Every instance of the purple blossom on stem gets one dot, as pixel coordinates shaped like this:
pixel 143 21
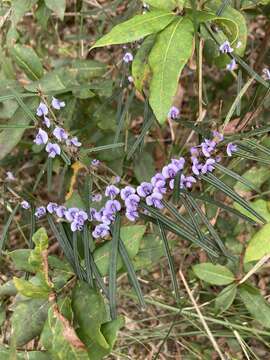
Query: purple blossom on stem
pixel 25 205
pixel 126 192
pixel 225 48
pixel 96 197
pixel 111 191
pixel 57 104
pixel 231 148
pixel 179 163
pixel 41 137
pixel 128 57
pixel 112 206
pixel 194 151
pixel 132 214
pixel 42 109
pixel 174 113
pixel 71 213
pixel 144 189
pixel 169 171
pixel 187 181
pixel 157 178
pixel 218 135
pixel 80 217
pixel 117 180
pixel 266 74
pixel 101 231
pixel 73 141
pixel 160 187
pixel 40 212
pixel 46 122
pixel 196 166
pixel 232 65
pixel 108 217
pixel 51 207
pixel 155 200
pixel 60 211
pixel 60 133
pixel 95 215
pixel 95 162
pixel 208 166
pixel 53 150
pixel 132 201
pixel 208 146
pixel 10 176
pixel 76 226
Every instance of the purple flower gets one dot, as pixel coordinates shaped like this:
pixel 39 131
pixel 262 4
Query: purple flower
pixel 74 142
pixel 25 205
pixel 40 211
pixel 196 166
pixel 225 48
pixel 51 207
pixel 160 187
pixel 144 189
pixel 218 135
pixel 95 215
pixel 41 137
pixel 10 176
pixel 232 65
pixel 208 146
pixel 173 113
pixel 53 150
pixel 157 178
pixel 57 104
pixel 60 211
pixel 112 206
pixel 80 217
pixel 107 217
pixel 42 109
pixel 71 213
pixel 111 191
pixel 194 151
pixel 132 201
pixel 132 214
pixel 60 134
pixel 76 226
pixel 101 231
pixel 266 74
pixel 96 197
pixel 117 180
pixel 208 166
pixel 46 122
pixel 187 181
pixel 231 148
pixel 155 200
pixel 95 162
pixel 128 57
pixel 126 192
pixel 179 163
pixel 169 171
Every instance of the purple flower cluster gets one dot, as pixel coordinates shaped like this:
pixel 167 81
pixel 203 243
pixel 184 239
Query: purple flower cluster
pixel 42 138
pixel 203 159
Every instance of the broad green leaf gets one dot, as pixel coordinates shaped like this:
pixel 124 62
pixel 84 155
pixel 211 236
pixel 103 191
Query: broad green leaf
pixel 163 4
pixel 260 206
pixel 61 341
pixel 9 138
pixel 167 59
pixel 259 245
pixel 109 330
pixel 144 166
pixel 257 176
pixel 19 8
pixel 225 298
pixel 5 352
pixel 20 259
pixel 131 237
pixel 8 289
pixel 255 304
pixel 140 67
pixel 86 70
pixel 26 288
pixel 40 239
pixel 42 15
pixel 213 274
pixel 28 320
pixel 26 58
pixel 136 28
pixel 57 6
pixel 90 313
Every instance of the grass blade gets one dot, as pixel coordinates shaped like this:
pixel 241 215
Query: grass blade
pixel 170 261
pixel 131 273
pixel 76 255
pixel 218 184
pixel 49 174
pixel 104 147
pixel 113 267
pixel 40 174
pixel 86 244
pixel 6 228
pixel 121 122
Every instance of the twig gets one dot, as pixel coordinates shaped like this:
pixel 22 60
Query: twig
pixel 208 331
pixel 255 268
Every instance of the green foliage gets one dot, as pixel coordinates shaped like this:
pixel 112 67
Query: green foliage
pixel 26 58
pixel 213 274
pixel 225 298
pixel 259 245
pixel 58 6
